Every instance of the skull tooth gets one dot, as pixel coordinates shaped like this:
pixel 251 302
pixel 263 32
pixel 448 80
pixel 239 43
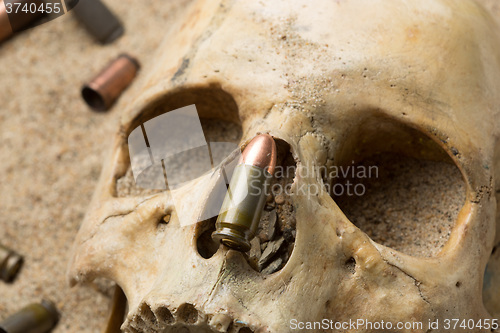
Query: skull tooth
pixel 220 322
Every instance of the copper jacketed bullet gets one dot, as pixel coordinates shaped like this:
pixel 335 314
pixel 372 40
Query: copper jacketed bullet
pixel 245 198
pixel 35 318
pixel 105 88
pixel 10 264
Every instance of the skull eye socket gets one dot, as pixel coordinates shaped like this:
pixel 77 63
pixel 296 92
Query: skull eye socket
pixel 177 139
pixel 399 187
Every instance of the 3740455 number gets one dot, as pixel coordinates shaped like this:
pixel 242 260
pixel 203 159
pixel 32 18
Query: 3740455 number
pixel 471 324
pixel 33 8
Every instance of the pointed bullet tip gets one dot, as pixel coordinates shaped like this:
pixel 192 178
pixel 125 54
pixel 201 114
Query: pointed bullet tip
pixel 261 152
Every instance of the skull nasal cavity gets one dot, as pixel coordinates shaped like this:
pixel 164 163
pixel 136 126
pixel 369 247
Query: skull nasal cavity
pixel 398 186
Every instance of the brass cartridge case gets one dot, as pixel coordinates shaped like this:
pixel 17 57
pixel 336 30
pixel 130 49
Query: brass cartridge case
pixel 242 207
pixel 10 264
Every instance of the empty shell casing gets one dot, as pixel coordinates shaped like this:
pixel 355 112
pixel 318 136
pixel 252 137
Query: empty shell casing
pixel 105 88
pixel 35 318
pixel 99 20
pixel 10 264
pixel 244 201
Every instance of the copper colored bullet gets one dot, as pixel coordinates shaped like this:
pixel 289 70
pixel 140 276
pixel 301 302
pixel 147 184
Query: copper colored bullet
pixel 5 27
pixel 242 207
pixel 105 88
pixel 260 152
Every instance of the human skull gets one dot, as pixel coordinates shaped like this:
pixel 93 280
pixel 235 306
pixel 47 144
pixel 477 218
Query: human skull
pixel 333 81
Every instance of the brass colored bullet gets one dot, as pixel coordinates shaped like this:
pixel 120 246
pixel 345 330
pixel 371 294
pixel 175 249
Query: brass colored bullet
pixel 10 264
pixel 35 318
pixel 242 207
pixel 105 88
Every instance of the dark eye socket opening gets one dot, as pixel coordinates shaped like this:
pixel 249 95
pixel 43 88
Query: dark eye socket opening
pixel 211 103
pixel 218 116
pixel 398 186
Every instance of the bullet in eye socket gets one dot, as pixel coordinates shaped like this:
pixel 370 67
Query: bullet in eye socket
pixel 246 195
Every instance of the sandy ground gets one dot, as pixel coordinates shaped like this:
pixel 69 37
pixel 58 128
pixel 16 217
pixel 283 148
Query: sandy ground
pixel 52 147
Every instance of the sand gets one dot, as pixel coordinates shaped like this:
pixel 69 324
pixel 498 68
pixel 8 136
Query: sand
pixel 52 149
pixel 407 204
